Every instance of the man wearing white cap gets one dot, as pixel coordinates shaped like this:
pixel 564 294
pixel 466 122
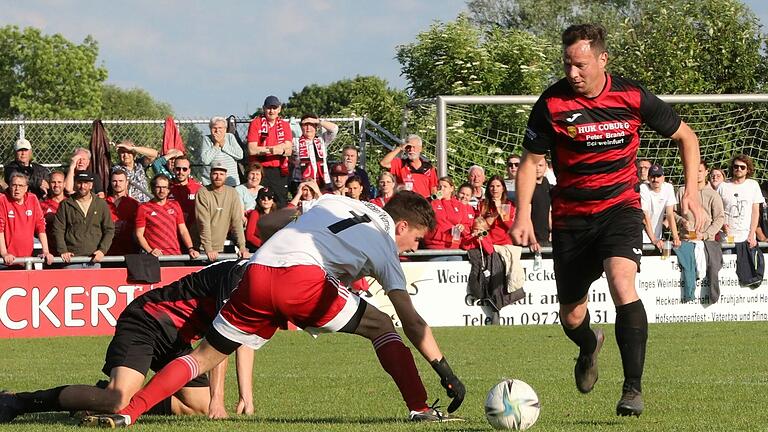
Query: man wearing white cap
pixel 36 173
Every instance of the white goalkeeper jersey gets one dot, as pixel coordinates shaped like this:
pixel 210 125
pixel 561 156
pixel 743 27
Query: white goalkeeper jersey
pixel 348 238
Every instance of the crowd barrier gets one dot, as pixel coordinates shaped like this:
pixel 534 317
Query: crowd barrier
pixel 87 302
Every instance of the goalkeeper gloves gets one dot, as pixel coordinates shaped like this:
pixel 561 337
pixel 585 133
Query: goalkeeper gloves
pixel 453 386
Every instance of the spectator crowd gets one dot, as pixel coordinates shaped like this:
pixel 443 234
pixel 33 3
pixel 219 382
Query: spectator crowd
pixel 172 213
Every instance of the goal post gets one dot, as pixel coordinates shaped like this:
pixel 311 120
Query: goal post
pixel 725 124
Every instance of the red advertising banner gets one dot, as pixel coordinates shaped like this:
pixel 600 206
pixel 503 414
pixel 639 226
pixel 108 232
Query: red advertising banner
pixel 83 302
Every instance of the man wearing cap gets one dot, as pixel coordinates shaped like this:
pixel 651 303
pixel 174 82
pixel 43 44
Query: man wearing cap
pixel 310 151
pixel 339 176
pixel 219 211
pixel 270 142
pixel 222 148
pixel 658 201
pixel 411 171
pixel 83 225
pixel 22 163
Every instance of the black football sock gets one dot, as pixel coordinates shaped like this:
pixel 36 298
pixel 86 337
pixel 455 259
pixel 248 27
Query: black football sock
pixel 41 400
pixel 583 336
pixel 632 336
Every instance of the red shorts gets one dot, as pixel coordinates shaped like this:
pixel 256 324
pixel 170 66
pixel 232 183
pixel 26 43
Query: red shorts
pixel 268 297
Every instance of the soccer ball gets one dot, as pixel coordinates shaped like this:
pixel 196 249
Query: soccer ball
pixel 512 404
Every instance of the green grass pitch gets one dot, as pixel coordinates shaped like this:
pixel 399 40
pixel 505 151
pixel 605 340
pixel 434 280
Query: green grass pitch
pixel 702 377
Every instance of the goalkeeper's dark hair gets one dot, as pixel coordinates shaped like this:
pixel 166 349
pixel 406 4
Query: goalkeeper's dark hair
pixel 594 33
pixel 413 208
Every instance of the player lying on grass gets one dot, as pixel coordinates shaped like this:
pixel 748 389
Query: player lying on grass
pixel 297 275
pixel 154 329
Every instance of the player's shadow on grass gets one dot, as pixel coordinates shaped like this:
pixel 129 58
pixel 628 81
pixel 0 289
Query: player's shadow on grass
pixel 614 422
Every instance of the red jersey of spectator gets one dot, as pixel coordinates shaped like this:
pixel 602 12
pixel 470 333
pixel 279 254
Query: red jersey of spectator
pixel 124 217
pixel 20 222
pixel 276 134
pixel 161 223
pixel 380 201
pixel 184 195
pixel 420 180
pixel 49 207
pixel 252 230
pixel 499 228
pixel 449 213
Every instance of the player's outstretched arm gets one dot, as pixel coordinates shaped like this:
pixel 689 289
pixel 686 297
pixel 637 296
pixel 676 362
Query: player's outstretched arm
pixel 522 228
pixel 420 335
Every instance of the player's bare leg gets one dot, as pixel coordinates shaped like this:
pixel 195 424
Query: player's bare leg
pixel 631 331
pixel 165 383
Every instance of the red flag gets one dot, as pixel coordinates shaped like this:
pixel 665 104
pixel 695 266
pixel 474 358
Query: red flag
pixel 172 137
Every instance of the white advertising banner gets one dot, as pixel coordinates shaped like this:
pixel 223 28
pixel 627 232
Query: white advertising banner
pixel 438 290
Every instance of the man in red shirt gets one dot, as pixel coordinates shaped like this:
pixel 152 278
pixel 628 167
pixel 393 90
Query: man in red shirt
pixel 123 209
pixel 20 219
pixel 411 172
pixel 270 142
pixel 51 205
pixel 158 221
pixel 184 190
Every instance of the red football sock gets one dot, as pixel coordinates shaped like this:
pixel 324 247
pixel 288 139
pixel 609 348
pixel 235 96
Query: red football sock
pixel 165 383
pixel 397 360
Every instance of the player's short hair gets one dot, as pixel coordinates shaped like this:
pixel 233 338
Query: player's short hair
pixel 155 179
pixel 56 172
pixel 20 175
pixel 594 33
pixel 118 172
pixel 256 166
pixel 413 208
pixel 181 158
pixel 216 119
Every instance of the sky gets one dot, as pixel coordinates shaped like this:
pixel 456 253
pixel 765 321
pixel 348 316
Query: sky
pixel 221 58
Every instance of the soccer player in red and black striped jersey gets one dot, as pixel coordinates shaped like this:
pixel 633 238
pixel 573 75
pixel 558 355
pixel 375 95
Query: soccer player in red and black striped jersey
pixel 589 122
pixel 153 330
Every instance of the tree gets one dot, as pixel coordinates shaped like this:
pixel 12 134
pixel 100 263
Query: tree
pixel 48 77
pixel 367 96
pixel 132 104
pixel 671 46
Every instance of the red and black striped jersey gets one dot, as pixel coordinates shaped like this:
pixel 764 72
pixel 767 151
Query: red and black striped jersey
pixel 593 143
pixel 185 308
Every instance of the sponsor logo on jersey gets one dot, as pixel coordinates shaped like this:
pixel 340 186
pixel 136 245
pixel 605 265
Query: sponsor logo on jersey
pixel 572 118
pixel 11 214
pixel 154 213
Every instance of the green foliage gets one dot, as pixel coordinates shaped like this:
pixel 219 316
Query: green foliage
pixel 687 46
pixel 457 58
pixel 367 96
pixel 132 104
pixel 48 77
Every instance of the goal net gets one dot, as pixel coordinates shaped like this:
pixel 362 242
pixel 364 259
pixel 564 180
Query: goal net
pixel 485 135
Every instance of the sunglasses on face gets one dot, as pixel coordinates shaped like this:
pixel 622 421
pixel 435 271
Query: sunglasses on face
pixel 513 164
pixel 181 169
pixel 739 167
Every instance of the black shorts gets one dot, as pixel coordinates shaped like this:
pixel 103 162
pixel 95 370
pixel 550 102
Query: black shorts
pixel 578 254
pixel 141 344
